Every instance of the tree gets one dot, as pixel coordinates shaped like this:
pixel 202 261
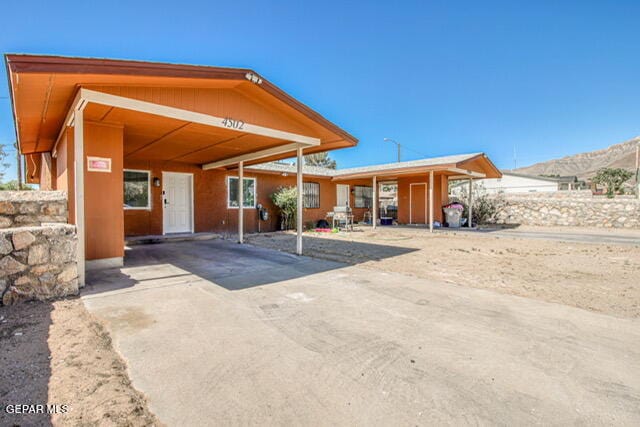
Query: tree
pixel 5 166
pixel 613 179
pixel 320 159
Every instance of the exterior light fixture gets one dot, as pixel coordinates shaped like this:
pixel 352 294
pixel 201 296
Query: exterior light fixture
pixel 253 78
pixel 156 182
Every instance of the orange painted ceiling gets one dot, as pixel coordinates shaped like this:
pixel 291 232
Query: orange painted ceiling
pixel 43 88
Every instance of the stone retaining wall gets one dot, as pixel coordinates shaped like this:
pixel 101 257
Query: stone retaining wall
pixel 32 208
pixel 583 210
pixel 38 263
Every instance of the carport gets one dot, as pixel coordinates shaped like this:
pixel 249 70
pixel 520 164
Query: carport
pixel 192 122
pixel 423 184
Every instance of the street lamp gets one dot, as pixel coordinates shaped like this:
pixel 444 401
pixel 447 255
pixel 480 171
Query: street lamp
pixel 395 142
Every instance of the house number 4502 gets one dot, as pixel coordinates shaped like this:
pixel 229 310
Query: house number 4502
pixel 233 123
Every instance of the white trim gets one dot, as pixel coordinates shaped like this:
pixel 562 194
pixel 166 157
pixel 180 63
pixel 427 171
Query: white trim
pixel 255 191
pixel 251 156
pixel 430 201
pixel 191 185
pixel 190 116
pixel 240 201
pixel 78 147
pixel 104 263
pixel 90 168
pixel 77 103
pixel 470 202
pixel 139 208
pixel 426 201
pixel 300 190
pixel 467 173
pixel 374 215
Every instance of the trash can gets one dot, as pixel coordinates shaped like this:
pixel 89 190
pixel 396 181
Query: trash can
pixel 452 216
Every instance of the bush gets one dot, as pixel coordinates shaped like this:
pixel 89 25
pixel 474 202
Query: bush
pixel 286 200
pixel 485 207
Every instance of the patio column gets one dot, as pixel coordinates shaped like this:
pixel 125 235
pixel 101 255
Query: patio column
pixel 299 204
pixel 240 202
pixel 374 219
pixel 431 201
pixel 470 202
pixel 78 144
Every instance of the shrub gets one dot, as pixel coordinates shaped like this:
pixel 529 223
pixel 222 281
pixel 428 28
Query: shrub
pixel 485 207
pixel 285 199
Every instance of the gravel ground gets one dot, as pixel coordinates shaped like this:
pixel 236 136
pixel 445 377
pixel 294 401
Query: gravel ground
pixel 56 353
pixel 602 278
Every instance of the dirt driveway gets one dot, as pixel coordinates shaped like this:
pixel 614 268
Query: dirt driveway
pixel 217 333
pixel 554 265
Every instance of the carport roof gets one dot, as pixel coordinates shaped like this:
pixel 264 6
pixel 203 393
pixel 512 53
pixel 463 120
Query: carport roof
pixel 458 161
pixel 42 89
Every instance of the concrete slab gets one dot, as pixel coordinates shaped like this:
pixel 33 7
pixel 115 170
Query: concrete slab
pixel 218 333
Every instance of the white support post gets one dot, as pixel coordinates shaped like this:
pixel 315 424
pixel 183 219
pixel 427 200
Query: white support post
pixel 470 202
pixel 78 144
pixel 431 201
pixel 300 201
pixel 241 202
pixel 374 219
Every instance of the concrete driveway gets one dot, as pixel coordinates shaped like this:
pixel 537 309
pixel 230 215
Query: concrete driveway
pixel 217 333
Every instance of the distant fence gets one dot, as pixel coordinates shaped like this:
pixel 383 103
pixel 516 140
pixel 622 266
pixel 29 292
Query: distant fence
pixel 568 208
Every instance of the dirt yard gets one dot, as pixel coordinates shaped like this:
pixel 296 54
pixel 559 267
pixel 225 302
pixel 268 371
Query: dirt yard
pixel 598 277
pixel 56 353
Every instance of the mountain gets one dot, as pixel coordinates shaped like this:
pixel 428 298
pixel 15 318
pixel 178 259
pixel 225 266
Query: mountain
pixel 586 165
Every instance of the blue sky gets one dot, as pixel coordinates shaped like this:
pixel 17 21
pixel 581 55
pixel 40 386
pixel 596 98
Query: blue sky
pixel 549 77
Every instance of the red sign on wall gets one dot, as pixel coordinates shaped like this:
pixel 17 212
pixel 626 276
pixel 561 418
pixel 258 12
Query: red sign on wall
pixel 98 164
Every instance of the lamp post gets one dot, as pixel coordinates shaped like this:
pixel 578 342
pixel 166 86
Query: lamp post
pixel 395 142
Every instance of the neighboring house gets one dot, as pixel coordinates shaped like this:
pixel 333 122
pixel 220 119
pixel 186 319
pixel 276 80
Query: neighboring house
pixel 511 182
pixel 162 148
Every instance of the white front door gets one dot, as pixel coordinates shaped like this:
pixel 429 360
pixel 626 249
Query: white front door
pixel 177 199
pixel 343 195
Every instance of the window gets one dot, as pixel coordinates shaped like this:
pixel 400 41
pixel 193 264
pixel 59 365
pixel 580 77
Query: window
pixel 364 196
pixel 311 194
pixel 136 190
pixel 249 185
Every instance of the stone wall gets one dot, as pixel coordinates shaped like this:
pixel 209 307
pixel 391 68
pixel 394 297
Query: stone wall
pixel 38 263
pixel 32 208
pixel 563 209
pixel 37 248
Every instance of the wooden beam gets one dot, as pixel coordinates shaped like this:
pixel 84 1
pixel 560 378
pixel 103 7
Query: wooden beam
pixel 251 156
pixel 467 173
pixel 190 116
pixel 470 210
pixel 300 202
pixel 431 201
pixel 241 202
pixel 78 144
pixel 374 216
